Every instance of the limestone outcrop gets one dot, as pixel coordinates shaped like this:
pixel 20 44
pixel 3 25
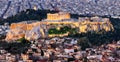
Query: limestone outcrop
pixel 32 31
pixel 20 30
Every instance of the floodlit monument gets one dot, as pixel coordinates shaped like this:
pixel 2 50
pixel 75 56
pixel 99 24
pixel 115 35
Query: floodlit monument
pixel 58 16
pixel 40 29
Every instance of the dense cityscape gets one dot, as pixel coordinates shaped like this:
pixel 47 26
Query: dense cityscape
pixel 81 7
pixel 59 31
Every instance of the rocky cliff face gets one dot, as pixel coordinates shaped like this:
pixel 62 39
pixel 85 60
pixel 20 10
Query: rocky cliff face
pixel 37 30
pixel 20 30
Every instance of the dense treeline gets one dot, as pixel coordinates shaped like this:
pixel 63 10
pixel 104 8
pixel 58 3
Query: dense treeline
pixel 27 15
pixel 31 14
pixel 62 30
pixel 16 47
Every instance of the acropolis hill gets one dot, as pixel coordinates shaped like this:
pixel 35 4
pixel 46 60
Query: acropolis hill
pixel 35 30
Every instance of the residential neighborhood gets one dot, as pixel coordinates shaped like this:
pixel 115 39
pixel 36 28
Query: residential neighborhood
pixel 81 7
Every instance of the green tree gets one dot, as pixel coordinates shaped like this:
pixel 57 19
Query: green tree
pixel 84 43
